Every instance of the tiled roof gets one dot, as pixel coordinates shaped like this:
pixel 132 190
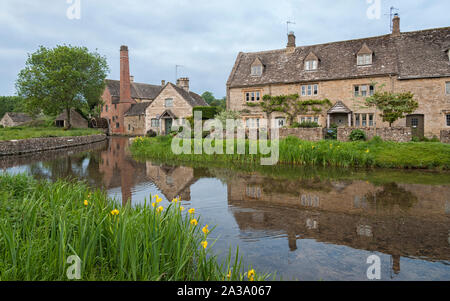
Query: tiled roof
pixel 138 90
pixel 19 117
pixel 410 55
pixel 192 98
pixel 137 109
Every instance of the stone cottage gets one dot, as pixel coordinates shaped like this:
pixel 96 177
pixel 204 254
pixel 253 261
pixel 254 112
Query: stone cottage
pixel 15 119
pixel 126 104
pixel 76 120
pixel 346 73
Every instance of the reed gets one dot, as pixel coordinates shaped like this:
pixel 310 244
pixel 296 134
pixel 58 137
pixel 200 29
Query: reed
pixel 43 223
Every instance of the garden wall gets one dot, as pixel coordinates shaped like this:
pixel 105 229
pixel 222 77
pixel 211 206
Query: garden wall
pixel 308 134
pixel 396 134
pixel 445 136
pixel 17 147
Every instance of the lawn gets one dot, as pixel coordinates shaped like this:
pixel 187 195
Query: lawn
pixel 43 225
pixel 18 133
pixel 326 153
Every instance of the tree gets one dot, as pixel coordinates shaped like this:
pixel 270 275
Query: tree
pixel 393 105
pixel 212 101
pixel 11 104
pixel 62 78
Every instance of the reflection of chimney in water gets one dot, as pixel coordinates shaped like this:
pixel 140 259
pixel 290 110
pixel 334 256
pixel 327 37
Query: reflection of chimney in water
pixel 396 264
pixel 292 238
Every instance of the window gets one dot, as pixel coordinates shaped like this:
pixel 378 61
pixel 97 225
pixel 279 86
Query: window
pixel 309 119
pixel 252 123
pixel 253 96
pixel 357 120
pixel 106 108
pixel 280 122
pixel 129 127
pixel 115 106
pixel 447 88
pixel 117 125
pixel 370 119
pixel 169 102
pixel 311 65
pixel 364 59
pixel 155 123
pixel 414 122
pixel 256 70
pixel 448 119
pixel 309 90
pixel 364 90
pixel 364 120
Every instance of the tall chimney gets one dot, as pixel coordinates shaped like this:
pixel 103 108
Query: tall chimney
pixel 291 41
pixel 163 82
pixel 183 82
pixel 125 82
pixel 396 25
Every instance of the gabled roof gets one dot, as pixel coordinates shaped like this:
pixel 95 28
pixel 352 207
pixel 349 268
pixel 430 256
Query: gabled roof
pixel 339 108
pixel 73 114
pixel 311 57
pixel 192 98
pixel 138 90
pixel 19 117
pixel 365 50
pixel 137 109
pixel 168 113
pixel 416 54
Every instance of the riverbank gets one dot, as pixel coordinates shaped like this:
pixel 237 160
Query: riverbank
pixel 26 132
pixel 370 154
pixel 32 145
pixel 42 224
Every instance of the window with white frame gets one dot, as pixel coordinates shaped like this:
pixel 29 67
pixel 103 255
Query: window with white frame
pixel 280 122
pixel 309 119
pixel 364 90
pixel 155 123
pixel 310 90
pixel 257 70
pixel 364 59
pixel 447 88
pixel 169 102
pixel 252 96
pixel 311 65
pixel 252 123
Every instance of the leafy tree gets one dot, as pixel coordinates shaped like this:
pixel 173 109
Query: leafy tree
pixel 221 104
pixel 62 78
pixel 11 104
pixel 393 106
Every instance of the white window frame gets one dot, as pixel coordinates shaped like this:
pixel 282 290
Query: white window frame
pixel 256 70
pixel 154 123
pixel 310 90
pixel 168 102
pixel 364 59
pixel 447 88
pixel 311 65
pixel 279 122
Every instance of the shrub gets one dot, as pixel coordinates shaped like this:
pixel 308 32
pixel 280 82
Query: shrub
pixel 309 124
pixel 331 134
pixel 225 115
pixel 151 133
pixel 207 112
pixel 376 140
pixel 357 135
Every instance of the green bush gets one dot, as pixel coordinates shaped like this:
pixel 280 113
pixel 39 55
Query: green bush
pixel 357 135
pixel 305 124
pixel 376 140
pixel 207 112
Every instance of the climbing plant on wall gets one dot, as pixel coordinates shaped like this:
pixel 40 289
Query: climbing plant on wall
pixel 292 106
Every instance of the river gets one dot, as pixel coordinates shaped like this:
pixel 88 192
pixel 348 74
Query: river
pixel 302 223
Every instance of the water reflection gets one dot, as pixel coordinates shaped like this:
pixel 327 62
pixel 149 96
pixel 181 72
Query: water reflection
pixel 399 220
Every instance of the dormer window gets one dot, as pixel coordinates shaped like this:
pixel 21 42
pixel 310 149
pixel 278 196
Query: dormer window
pixel 311 62
pixel 365 55
pixel 257 68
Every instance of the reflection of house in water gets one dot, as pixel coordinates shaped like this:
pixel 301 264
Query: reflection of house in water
pixel 405 220
pixel 119 169
pixel 173 181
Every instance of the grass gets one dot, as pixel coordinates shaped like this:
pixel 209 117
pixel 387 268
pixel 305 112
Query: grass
pixel 23 132
pixel 375 153
pixel 42 224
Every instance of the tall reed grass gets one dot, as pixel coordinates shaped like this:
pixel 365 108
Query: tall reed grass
pixel 42 224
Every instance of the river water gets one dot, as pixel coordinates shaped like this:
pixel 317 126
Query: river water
pixel 302 223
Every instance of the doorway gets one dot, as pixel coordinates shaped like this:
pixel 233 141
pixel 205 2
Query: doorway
pixel 168 125
pixel 417 123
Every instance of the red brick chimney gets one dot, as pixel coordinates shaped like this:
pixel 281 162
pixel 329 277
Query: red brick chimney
pixel 125 85
pixel 396 25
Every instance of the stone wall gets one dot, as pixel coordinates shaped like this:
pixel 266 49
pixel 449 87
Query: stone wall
pixel 135 125
pixel 17 147
pixel 309 134
pixel 445 136
pixel 396 134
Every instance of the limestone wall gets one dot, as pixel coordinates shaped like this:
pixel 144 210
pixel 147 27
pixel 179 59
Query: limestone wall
pixel 445 136
pixel 309 134
pixel 396 134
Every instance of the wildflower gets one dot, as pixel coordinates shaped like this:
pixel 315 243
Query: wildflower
pixel 229 275
pixel 194 222
pixel 155 196
pixel 115 212
pixel 86 202
pixel 205 229
pixel 313 147
pixel 251 275
pixel 175 200
pixel 160 209
pixel 154 205
pixel 368 151
pixel 191 211
pixel 181 208
pixel 204 244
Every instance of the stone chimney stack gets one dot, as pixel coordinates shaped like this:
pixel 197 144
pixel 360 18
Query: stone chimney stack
pixel 163 83
pixel 183 82
pixel 125 79
pixel 396 25
pixel 291 42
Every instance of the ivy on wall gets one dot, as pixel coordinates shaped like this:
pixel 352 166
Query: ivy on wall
pixel 291 105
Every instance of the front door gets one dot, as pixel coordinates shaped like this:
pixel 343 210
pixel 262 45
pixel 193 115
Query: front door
pixel 168 126
pixel 339 119
pixel 417 123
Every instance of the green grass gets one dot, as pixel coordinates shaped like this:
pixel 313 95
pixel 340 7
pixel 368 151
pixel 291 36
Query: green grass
pixel 412 155
pixel 42 224
pixel 22 132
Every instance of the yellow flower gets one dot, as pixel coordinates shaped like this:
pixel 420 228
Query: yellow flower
pixel 191 211
pixel 313 147
pixel 205 229
pixel 251 278
pixel 194 222
pixel 204 244
pixel 160 209
pixel 251 275
pixel 368 151
pixel 158 200
pixel 115 212
pixel 155 196
pixel 86 202
pixel 153 205
pixel 181 208
pixel 229 275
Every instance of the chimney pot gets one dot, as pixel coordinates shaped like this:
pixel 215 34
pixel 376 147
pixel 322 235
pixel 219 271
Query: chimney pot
pixel 291 41
pixel 396 25
pixel 163 83
pixel 183 82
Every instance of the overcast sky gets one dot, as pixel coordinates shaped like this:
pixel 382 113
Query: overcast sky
pixel 204 36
